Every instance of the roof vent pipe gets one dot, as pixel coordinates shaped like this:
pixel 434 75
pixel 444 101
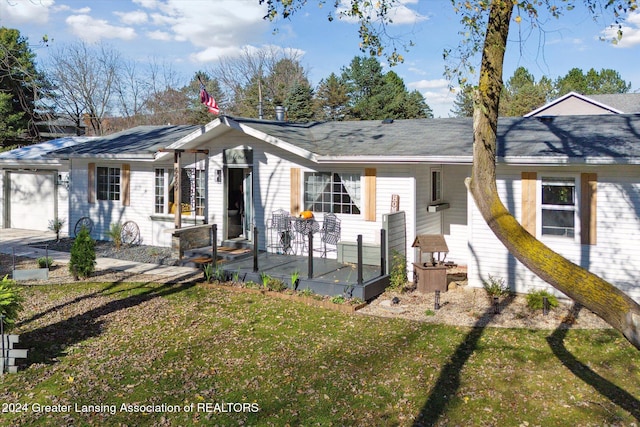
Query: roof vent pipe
pixel 280 113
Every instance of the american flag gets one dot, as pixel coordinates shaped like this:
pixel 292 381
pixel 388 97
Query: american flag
pixel 208 100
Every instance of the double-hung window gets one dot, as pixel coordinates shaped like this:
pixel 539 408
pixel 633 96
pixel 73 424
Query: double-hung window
pixel 108 183
pixel 559 206
pixel 330 192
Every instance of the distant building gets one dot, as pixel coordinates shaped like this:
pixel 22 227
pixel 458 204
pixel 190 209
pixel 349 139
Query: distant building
pixel 575 104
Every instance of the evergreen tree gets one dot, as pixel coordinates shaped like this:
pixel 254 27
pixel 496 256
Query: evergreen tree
pixel 374 95
pixel 332 98
pixel 20 79
pixel 522 94
pixel 299 103
pixel 82 261
pixel 606 81
pixel 463 104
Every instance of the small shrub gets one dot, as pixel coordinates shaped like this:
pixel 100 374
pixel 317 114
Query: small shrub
pixel 276 285
pixel 115 234
pixel 398 274
pixel 56 225
pixel 252 285
pixel 534 299
pixel 45 262
pixel 82 262
pixel 10 300
pixel 306 292
pixel 495 287
pixel 338 299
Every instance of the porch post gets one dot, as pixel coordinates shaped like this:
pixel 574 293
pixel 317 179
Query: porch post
pixel 383 251
pixel 310 257
pixel 177 189
pixel 360 278
pixel 255 249
pixel 214 244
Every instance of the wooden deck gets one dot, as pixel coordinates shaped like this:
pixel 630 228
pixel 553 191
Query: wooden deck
pixel 328 276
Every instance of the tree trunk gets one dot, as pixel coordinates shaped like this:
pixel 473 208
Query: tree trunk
pixel 591 291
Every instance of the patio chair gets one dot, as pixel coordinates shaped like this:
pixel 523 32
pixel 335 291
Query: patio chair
pixel 330 234
pixel 279 227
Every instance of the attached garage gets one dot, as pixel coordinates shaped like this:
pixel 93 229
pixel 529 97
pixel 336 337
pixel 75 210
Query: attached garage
pixel 30 199
pixel 34 185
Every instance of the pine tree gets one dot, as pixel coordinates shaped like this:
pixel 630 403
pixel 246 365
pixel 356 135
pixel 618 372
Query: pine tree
pixel 83 255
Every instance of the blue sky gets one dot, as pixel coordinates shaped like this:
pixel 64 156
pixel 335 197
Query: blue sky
pixel 192 34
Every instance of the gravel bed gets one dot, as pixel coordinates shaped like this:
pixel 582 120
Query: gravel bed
pixel 106 249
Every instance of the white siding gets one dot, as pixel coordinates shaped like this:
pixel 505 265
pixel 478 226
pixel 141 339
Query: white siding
pixel 454 221
pixel 615 257
pixel 107 212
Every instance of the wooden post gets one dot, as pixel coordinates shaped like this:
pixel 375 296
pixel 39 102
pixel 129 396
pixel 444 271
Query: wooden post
pixel 255 249
pixel 177 189
pixel 360 278
pixel 383 251
pixel 214 244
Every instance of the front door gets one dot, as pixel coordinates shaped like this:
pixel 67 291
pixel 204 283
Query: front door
pixel 239 203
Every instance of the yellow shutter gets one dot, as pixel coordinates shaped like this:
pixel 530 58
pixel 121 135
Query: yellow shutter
pixel 91 183
pixel 529 201
pixel 370 194
pixel 588 205
pixel 295 191
pixel 126 179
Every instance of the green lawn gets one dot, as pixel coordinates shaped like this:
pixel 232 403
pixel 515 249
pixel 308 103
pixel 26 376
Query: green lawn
pixel 191 355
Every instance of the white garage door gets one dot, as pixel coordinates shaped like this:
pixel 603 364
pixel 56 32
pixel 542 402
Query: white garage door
pixel 31 200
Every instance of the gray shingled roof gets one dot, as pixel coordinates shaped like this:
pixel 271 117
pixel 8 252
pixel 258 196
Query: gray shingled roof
pixel 573 137
pixel 628 103
pixel 605 138
pixel 137 141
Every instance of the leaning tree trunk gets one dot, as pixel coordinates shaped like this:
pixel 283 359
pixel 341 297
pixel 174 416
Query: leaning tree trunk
pixel 591 291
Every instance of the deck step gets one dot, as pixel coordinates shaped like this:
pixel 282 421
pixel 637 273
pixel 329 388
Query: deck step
pixel 225 253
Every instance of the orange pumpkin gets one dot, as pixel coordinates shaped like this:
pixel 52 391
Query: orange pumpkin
pixel 306 214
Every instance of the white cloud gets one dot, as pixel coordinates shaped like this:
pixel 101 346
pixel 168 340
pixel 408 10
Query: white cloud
pixel 25 12
pixel 430 84
pixel 159 35
pixel 437 94
pixel 216 30
pixel 630 31
pixel 92 30
pixel 400 14
pixel 132 18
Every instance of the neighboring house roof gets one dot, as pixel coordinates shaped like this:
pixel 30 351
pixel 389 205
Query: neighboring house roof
pixel 138 142
pixel 628 103
pixel 40 152
pixel 603 139
pixel 574 103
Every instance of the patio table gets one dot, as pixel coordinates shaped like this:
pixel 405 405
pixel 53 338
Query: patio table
pixel 301 227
